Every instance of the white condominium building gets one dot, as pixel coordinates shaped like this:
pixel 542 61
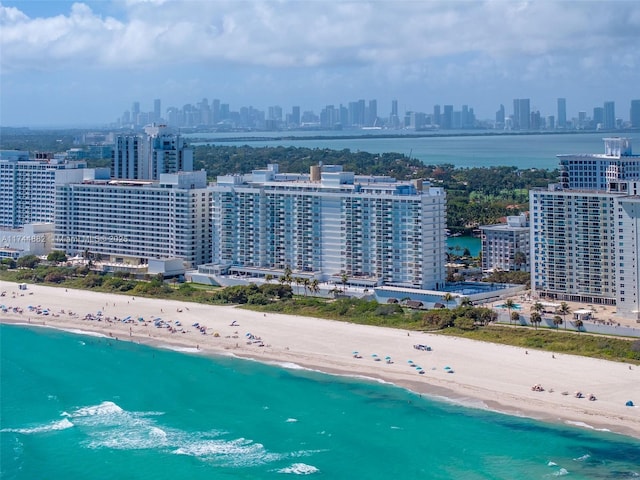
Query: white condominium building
pixel 27 187
pixel 584 230
pixel 330 223
pixel 132 221
pixel 506 246
pixel 147 156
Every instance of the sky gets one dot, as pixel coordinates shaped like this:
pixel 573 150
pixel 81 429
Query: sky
pixel 84 63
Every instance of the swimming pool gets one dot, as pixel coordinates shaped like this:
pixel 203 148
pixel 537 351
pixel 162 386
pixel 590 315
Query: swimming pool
pixel 516 306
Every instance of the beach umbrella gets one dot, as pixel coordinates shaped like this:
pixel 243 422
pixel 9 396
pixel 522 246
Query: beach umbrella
pixel 387 357
pixel 409 362
pixel 447 368
pixel 374 354
pixel 418 368
pixel 355 352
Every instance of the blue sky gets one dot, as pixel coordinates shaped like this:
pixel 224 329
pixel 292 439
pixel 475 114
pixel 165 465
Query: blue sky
pixel 84 63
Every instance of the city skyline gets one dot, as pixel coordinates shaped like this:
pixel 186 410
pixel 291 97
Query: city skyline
pixel 76 64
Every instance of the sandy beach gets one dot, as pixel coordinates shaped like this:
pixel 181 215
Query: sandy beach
pixel 463 371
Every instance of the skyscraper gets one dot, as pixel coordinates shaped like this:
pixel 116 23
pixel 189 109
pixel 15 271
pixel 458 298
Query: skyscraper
pixel 328 223
pixel 447 118
pixel 146 156
pixel 157 111
pixel 437 119
pixel 609 115
pixel 562 113
pixel 634 115
pixel 584 230
pixel 521 114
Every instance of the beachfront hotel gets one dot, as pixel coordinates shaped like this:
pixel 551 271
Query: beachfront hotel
pixel 147 156
pixel 585 230
pixel 329 224
pixel 506 246
pixel 27 186
pixel 132 221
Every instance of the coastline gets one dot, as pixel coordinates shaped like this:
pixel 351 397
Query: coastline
pixel 489 376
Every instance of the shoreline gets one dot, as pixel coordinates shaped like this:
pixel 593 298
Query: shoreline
pixel 493 377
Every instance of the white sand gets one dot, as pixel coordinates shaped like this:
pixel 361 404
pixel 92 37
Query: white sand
pixel 486 375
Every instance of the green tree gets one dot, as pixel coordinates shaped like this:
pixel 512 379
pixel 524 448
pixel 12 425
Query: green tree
pixel 515 317
pixel 344 278
pixel 509 304
pixel 557 320
pixel 28 261
pixel 564 310
pixel 535 318
pixel 447 298
pixel 57 256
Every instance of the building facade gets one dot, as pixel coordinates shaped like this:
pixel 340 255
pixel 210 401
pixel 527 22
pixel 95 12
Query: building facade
pixel 145 157
pixel 584 230
pixel 506 246
pixel 27 187
pixel 330 223
pixel 131 221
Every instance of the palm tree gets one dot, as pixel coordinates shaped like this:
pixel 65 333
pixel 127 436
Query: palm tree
pixel 466 302
pixel 298 281
pixel 268 277
pixel 578 323
pixel 535 318
pixel 564 310
pixel 557 320
pixel 509 304
pixel 315 287
pixel 515 316
pixel 344 278
pixel 447 297
pixel 306 283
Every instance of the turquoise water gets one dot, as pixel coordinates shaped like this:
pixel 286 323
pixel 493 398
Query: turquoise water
pixel 474 244
pixel 516 306
pixel 94 408
pixel 522 151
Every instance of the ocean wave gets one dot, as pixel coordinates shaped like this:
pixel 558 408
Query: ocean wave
pixel 299 469
pixel 586 425
pixel 105 408
pixel 58 425
pixel 231 453
pixel 584 457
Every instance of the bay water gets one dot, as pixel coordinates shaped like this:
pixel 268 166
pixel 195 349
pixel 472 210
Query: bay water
pixel 462 151
pixel 82 406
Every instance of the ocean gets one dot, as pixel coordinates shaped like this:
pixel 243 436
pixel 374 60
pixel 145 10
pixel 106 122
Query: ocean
pixel 81 406
pixel 522 151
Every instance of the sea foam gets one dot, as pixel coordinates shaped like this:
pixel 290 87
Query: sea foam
pixel 299 469
pixel 58 425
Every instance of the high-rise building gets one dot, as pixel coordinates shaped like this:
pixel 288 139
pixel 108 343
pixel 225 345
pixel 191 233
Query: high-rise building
pixel 506 246
pixel 446 121
pixel 329 223
pixel 634 114
pixel 598 117
pixel 146 156
pixel 27 187
pixel 521 114
pixel 609 115
pixel 584 230
pixel 372 114
pixel 132 221
pixel 562 113
pixel 437 118
pixel 157 110
pixel 295 116
pixel 500 117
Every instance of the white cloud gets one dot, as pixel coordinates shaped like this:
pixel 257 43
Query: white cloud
pixel 295 33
